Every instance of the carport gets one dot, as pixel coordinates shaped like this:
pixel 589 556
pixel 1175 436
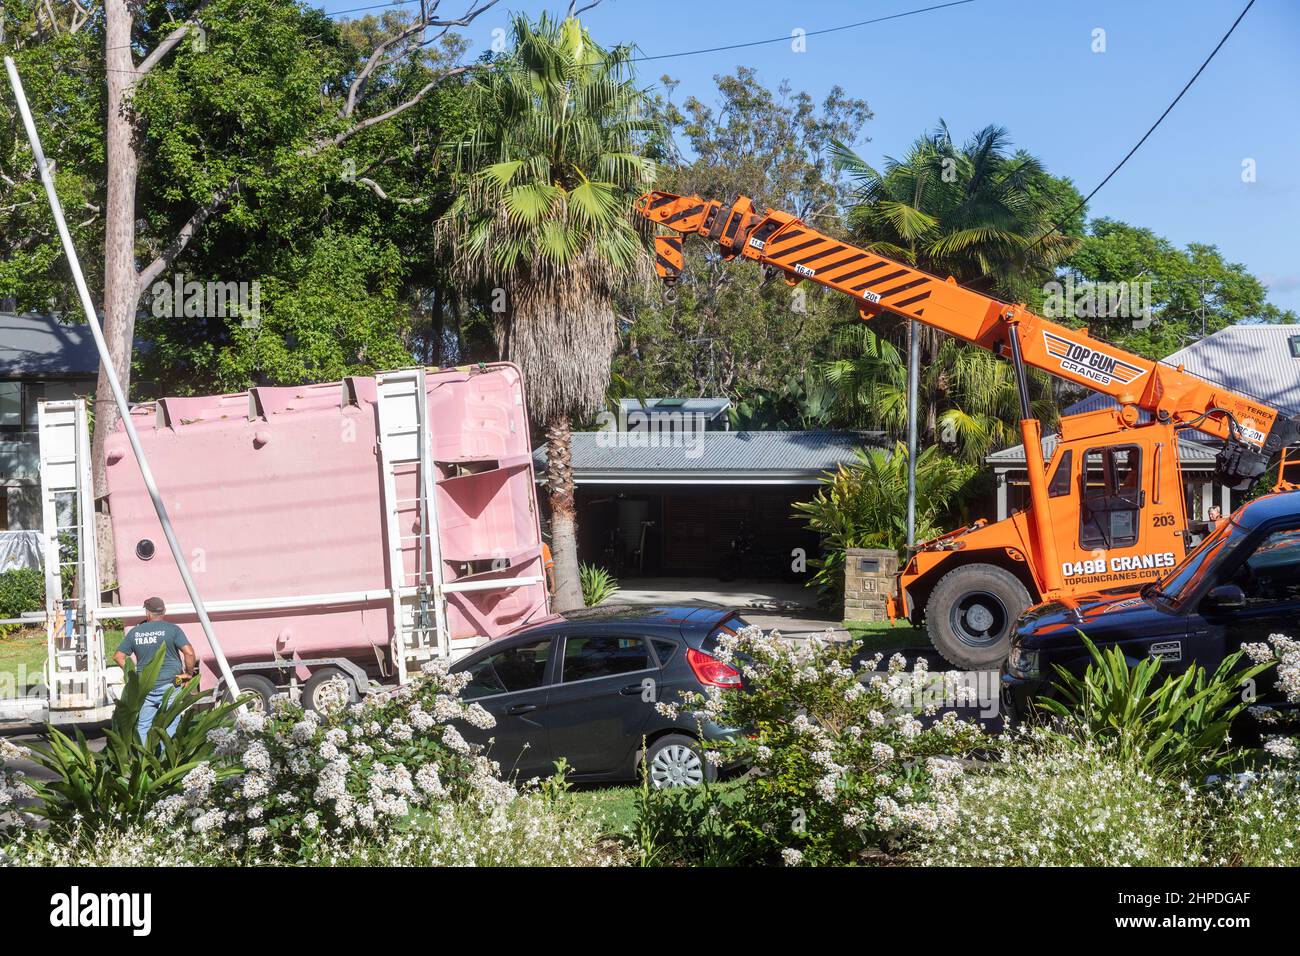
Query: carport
pixel 661 509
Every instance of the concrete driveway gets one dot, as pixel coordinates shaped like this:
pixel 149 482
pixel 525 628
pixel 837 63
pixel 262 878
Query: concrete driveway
pixel 787 606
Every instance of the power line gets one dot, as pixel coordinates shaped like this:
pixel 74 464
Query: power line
pixel 1168 109
pixel 810 33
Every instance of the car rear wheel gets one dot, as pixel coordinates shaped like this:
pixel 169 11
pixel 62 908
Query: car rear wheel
pixel 676 760
pixel 971 614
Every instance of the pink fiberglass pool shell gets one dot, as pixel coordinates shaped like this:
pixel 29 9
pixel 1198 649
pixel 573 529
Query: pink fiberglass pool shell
pixel 278 493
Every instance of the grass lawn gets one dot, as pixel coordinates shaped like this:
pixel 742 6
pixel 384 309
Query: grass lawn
pixel 615 807
pixel 879 636
pixel 22 656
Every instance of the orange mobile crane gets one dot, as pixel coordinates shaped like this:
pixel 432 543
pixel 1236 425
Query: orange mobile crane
pixel 1107 510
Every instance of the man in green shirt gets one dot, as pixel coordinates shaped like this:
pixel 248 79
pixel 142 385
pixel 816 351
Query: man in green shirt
pixel 146 641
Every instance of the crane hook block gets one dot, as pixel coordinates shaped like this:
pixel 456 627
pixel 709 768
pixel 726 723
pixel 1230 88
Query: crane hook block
pixel 668 257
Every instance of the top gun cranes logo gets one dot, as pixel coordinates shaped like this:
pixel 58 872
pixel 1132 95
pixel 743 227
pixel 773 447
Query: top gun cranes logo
pixel 1089 363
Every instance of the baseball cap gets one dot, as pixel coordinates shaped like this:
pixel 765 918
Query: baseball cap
pixel 155 605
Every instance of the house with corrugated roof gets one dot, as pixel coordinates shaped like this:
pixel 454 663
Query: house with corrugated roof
pixel 41 358
pixel 667 493
pixel 1259 360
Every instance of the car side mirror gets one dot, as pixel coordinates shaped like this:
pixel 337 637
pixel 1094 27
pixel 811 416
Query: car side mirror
pixel 1226 597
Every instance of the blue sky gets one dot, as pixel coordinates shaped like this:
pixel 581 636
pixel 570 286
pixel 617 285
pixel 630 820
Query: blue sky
pixel 1029 65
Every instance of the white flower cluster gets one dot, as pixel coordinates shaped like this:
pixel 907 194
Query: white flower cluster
pixel 1286 652
pixel 843 732
pixel 349 773
pixel 13 787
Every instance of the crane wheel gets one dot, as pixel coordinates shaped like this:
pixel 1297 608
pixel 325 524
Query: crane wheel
pixel 971 614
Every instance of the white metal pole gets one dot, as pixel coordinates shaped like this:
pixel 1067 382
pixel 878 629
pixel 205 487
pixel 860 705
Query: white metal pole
pixel 118 396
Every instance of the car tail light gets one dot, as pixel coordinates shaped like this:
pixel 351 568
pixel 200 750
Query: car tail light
pixel 710 671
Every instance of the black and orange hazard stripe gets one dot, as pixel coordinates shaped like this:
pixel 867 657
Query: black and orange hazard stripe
pixel 668 256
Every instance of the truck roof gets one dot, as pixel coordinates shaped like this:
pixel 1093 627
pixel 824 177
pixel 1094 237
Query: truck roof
pixel 1279 504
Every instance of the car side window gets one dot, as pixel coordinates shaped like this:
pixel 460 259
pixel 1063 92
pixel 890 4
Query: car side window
pixel 1271 575
pixel 522 667
pixel 588 656
pixel 664 650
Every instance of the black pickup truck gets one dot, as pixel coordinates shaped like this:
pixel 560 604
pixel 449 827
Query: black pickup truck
pixel 1241 584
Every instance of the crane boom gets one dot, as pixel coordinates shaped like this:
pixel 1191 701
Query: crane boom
pixel 1252 432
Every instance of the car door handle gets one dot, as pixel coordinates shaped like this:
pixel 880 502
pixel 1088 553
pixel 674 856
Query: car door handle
pixel 521 709
pixel 631 689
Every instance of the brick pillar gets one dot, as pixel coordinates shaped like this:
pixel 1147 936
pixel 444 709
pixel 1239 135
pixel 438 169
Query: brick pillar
pixel 868 582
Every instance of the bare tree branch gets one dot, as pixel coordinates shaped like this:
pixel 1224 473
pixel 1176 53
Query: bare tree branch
pixel 365 124
pixel 379 56
pixel 575 10
pixel 378 190
pixel 172 40
pixel 182 239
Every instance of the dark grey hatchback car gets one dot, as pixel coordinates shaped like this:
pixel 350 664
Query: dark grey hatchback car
pixel 585 689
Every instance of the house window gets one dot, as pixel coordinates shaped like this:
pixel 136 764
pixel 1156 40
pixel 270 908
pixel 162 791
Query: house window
pixel 1294 342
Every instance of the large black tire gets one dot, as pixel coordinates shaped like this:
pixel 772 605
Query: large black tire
pixel 971 615
pixel 258 689
pixel 326 687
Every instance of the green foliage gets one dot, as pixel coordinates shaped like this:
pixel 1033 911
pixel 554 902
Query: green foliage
pixel 118 785
pixel 970 404
pixel 22 590
pixel 801 403
pixel 1118 252
pixel 840 762
pixel 864 505
pixel 729 333
pixel 598 585
pixel 683 825
pixel 1176 726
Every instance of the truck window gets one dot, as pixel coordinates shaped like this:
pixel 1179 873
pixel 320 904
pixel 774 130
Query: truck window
pixel 1059 486
pixel 1271 575
pixel 1111 497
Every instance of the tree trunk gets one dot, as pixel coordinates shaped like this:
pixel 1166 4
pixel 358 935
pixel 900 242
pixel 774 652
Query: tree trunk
pixel 121 281
pixel 564 519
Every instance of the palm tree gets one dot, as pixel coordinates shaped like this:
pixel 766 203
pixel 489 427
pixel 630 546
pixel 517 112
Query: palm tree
pixel 975 212
pixel 542 228
pixel 864 505
pixel 970 403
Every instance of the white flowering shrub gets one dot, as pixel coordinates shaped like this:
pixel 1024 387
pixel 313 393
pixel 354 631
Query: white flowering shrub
pixel 1279 740
pixel 842 759
pixel 357 772
pixel 531 830
pixel 1055 800
pixel 133 844
pixel 13 788
pixel 1254 820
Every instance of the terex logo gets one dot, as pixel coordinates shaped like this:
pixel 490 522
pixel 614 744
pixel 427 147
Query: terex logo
pixel 76 909
pixel 1089 363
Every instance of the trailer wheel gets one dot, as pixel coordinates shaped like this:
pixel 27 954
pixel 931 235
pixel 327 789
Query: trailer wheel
pixel 327 689
pixel 259 691
pixel 971 613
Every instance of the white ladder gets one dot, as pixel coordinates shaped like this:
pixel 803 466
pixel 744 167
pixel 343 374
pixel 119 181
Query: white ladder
pixel 418 605
pixel 75 666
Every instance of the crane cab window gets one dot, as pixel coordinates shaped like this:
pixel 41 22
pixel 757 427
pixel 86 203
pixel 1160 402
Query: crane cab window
pixel 1111 497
